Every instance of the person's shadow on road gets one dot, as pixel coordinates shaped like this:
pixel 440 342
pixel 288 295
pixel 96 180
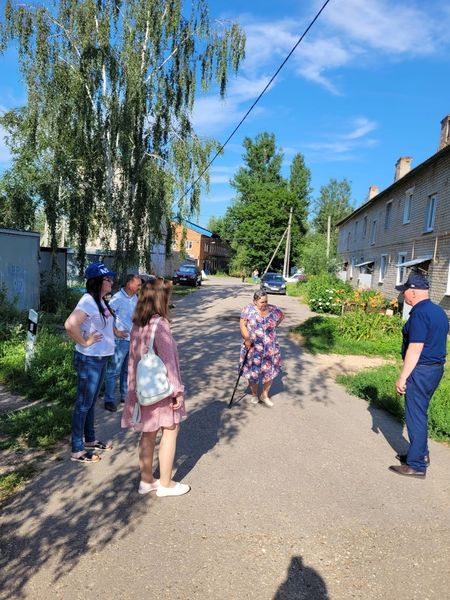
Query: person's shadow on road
pixel 302 583
pixel 203 429
pixel 390 428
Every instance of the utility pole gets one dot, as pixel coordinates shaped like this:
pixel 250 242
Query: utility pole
pixel 276 250
pixel 287 251
pixel 328 236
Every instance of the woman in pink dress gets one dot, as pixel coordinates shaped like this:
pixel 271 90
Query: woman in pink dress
pixel 167 414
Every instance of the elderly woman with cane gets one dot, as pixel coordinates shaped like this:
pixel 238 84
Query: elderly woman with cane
pixel 258 322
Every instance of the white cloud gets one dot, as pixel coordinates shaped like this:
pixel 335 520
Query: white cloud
pixel 392 27
pixel 344 145
pixel 222 174
pixel 348 33
pixel 211 114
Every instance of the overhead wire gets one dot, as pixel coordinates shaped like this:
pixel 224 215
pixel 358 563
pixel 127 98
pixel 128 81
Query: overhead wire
pixel 266 87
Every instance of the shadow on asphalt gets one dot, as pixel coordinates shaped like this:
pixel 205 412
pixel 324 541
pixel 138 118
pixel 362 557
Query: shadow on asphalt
pixel 391 429
pixel 84 517
pixel 62 530
pixel 302 583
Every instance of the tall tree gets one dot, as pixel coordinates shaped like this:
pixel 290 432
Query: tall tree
pixel 111 88
pixel 259 216
pixel 334 201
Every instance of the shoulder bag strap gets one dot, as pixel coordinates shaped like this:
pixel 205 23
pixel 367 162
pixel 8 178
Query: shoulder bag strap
pixel 149 345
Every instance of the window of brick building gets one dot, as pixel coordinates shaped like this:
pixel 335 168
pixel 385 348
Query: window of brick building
pixel 383 268
pixel 407 208
pixel 430 213
pixel 401 271
pixel 388 215
pixel 373 236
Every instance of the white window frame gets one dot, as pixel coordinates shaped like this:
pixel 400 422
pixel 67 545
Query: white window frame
pixel 407 209
pixel 188 244
pixel 365 221
pixel 401 271
pixel 373 233
pixel 383 268
pixel 388 215
pixel 352 267
pixel 447 291
pixel 430 213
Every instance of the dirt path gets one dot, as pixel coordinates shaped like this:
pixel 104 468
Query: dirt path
pixel 290 502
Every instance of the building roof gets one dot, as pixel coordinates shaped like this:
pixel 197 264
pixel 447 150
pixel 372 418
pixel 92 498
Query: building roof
pixel 200 230
pixel 402 180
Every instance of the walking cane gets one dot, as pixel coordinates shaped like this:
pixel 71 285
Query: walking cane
pixel 241 368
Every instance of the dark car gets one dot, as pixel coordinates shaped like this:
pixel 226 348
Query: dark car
pixel 188 275
pixel 273 283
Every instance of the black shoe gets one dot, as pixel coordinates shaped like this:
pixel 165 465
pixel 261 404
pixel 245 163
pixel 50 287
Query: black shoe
pixel 122 401
pixel 110 406
pixel 402 458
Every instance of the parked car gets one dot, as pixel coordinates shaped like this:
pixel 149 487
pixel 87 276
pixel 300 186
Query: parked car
pixel 296 277
pixel 273 283
pixel 188 275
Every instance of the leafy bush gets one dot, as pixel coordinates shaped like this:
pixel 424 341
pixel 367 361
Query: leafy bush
pixel 324 293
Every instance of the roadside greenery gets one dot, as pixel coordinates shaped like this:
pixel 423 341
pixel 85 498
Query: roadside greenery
pixel 358 333
pixel 325 293
pixel 378 387
pixel 13 481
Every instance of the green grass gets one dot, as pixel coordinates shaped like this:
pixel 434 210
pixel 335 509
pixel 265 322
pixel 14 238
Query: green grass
pixel 179 291
pixel 51 378
pixel 12 482
pixel 378 387
pixel 35 427
pixel 295 289
pixel 322 335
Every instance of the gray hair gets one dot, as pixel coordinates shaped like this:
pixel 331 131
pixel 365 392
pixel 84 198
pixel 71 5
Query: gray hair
pixel 258 295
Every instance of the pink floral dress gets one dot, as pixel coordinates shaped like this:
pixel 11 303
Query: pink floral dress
pixel 263 359
pixel 162 413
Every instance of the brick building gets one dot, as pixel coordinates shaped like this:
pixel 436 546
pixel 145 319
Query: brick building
pixel 404 227
pixel 209 252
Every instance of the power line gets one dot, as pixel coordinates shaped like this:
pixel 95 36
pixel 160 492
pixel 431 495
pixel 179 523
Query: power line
pixel 256 101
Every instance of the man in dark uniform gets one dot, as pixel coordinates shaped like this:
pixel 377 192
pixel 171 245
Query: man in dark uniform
pixel 423 351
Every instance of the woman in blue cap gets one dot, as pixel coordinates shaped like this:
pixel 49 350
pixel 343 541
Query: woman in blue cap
pixel 91 325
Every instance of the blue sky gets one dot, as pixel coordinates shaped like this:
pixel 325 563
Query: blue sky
pixel 370 83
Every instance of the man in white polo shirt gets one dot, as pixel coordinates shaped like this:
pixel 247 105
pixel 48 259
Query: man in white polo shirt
pixel 123 304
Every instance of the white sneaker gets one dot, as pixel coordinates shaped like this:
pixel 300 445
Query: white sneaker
pixel 145 488
pixel 253 399
pixel 265 400
pixel 177 490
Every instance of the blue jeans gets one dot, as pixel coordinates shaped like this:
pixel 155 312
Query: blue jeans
pixel 117 367
pixel 90 373
pixel 420 386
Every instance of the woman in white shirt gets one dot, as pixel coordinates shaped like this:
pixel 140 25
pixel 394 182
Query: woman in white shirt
pixel 91 325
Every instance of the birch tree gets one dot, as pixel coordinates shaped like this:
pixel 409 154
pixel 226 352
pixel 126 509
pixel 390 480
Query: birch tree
pixel 111 87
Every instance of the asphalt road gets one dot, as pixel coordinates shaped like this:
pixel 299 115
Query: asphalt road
pixel 293 502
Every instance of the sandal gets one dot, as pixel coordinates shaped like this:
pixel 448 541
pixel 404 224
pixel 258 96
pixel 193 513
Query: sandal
pixel 97 445
pixel 87 457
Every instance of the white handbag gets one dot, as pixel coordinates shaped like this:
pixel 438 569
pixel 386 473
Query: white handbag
pixel 152 382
